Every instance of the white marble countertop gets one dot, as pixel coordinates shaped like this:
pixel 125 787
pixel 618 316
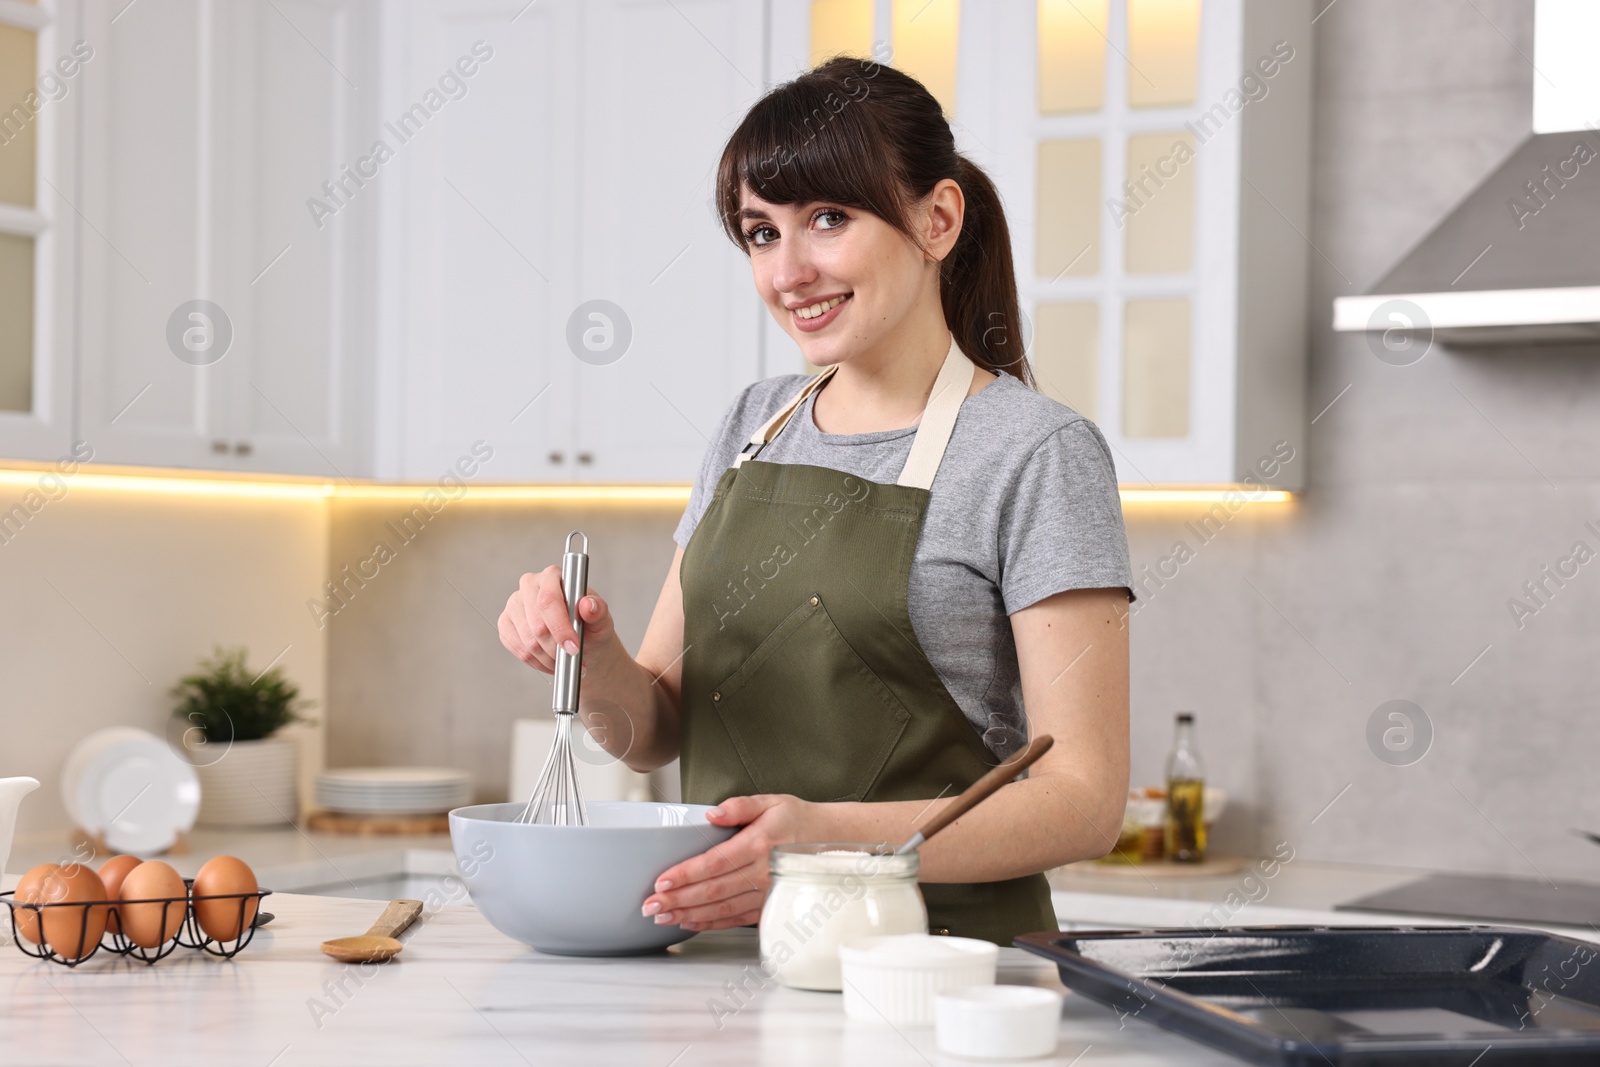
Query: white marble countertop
pixel 462 993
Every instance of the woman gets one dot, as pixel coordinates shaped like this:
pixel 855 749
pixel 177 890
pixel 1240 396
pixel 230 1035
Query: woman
pixel 890 574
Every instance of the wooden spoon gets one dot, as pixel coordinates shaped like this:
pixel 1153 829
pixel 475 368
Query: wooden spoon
pixel 379 943
pixel 979 791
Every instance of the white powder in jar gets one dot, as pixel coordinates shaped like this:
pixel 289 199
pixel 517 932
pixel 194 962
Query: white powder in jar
pixel 822 899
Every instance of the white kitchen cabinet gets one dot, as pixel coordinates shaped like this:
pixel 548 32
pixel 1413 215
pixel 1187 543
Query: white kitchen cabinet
pixel 394 211
pixel 42 58
pixel 477 239
pixel 566 176
pixel 652 244
pixel 1153 159
pixel 209 132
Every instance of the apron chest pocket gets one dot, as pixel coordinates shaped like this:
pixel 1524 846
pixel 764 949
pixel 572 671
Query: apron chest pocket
pixel 806 713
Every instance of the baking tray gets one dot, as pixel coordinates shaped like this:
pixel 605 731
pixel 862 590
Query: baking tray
pixel 1450 996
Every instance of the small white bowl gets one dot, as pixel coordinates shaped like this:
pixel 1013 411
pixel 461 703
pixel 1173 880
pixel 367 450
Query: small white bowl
pixel 893 978
pixel 997 1022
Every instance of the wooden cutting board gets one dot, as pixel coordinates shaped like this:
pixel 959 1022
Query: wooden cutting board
pixel 1155 870
pixel 332 822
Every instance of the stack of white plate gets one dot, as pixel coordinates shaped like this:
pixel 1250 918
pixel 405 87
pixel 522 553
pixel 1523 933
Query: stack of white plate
pixel 393 790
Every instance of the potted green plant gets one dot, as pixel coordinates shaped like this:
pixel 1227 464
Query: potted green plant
pixel 230 714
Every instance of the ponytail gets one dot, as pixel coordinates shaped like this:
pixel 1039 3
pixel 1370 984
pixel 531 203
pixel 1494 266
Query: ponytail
pixel 977 283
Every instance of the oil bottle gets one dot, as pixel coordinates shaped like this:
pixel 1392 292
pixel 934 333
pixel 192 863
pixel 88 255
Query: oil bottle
pixel 1186 788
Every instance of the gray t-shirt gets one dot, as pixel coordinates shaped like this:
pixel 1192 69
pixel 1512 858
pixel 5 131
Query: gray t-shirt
pixel 1025 505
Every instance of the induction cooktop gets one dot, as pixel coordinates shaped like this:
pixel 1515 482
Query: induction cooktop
pixel 1474 896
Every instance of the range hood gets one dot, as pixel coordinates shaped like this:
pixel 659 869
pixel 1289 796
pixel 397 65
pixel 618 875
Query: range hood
pixel 1518 260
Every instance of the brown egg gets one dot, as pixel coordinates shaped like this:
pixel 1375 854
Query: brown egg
pixel 112 872
pixel 223 919
pixel 74 932
pixel 153 925
pixel 30 890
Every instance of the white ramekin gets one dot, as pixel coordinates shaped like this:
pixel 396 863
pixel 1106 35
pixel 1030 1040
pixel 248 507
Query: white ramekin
pixel 997 1022
pixel 893 979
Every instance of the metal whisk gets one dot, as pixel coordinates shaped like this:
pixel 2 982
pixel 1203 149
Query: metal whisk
pixel 557 799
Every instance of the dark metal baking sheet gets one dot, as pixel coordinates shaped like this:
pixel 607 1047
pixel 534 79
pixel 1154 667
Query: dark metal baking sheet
pixel 1306 996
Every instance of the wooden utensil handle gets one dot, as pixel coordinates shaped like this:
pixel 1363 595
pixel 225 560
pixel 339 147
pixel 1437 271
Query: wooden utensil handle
pixel 395 918
pixel 980 790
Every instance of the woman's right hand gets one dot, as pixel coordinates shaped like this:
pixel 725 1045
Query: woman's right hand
pixel 535 622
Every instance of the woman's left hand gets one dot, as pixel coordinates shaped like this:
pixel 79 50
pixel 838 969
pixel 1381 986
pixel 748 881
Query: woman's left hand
pixel 727 884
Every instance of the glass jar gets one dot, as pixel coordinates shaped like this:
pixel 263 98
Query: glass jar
pixel 826 894
pixel 1130 840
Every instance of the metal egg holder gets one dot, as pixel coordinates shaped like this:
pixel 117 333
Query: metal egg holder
pixel 189 935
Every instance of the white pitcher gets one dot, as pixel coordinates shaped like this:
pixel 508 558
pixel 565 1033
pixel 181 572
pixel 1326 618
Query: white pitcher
pixel 12 790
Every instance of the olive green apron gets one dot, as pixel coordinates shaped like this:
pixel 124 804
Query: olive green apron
pixel 801 671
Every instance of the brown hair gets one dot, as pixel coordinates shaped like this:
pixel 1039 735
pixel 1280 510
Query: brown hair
pixel 863 135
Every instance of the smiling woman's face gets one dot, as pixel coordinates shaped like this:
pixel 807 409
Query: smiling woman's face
pixel 839 280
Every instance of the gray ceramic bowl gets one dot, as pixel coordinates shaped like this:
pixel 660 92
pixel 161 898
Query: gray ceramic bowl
pixel 577 890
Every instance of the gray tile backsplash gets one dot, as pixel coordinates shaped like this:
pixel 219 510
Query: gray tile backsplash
pixel 422 677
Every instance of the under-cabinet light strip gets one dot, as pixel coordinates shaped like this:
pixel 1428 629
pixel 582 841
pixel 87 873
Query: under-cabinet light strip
pixel 51 484
pixel 1225 495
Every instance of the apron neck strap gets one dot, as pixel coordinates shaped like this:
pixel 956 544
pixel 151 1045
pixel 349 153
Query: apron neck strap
pixel 772 426
pixel 938 418
pixel 933 430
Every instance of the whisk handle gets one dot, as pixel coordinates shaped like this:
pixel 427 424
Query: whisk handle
pixel 574 583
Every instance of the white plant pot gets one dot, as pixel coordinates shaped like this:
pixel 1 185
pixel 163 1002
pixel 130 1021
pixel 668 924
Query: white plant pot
pixel 248 783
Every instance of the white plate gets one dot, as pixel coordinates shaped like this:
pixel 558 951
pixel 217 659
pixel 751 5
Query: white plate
pixel 394 776
pixel 393 790
pixel 400 799
pixel 133 789
pixel 339 787
pixel 396 803
pixel 378 794
pixel 419 809
pixel 84 751
pixel 403 804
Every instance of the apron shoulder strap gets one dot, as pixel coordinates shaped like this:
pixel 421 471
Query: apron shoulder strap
pixel 938 418
pixel 933 431
pixel 772 426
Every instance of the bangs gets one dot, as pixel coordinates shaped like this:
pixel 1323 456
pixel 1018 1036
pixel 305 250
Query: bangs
pixel 811 140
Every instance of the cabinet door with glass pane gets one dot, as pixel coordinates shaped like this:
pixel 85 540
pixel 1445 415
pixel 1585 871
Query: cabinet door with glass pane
pixel 1155 159
pixel 41 65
